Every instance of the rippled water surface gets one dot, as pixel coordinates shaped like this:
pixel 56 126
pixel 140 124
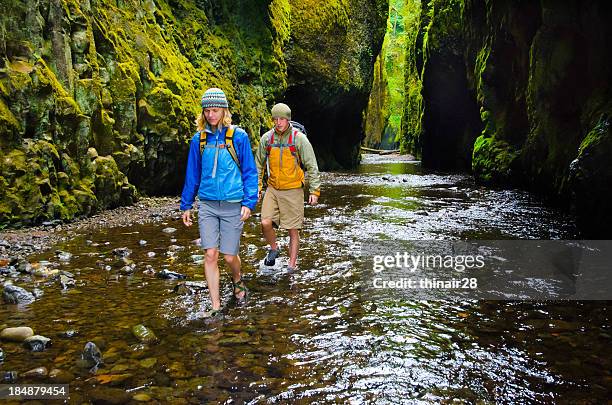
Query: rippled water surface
pixel 316 335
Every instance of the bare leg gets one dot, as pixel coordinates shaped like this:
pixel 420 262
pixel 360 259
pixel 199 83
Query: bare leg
pixel 234 263
pixel 211 269
pixel 269 234
pixel 294 246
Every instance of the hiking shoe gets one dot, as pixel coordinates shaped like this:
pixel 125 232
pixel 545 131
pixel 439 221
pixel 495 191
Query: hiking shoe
pixel 271 257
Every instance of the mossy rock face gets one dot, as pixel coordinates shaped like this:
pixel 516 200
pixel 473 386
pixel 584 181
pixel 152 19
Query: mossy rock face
pixel 330 58
pixel 590 178
pixel 539 74
pixel 115 86
pixel 115 89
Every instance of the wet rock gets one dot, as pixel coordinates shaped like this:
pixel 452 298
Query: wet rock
pixel 151 254
pixel 144 334
pixel 197 259
pixel 43 271
pixel 190 287
pixel 13 294
pixel 9 377
pixel 122 252
pixel 92 356
pixel 63 256
pixel 149 270
pixel 130 269
pixel 18 334
pixel 24 267
pixel 142 242
pixel 169 230
pixel 148 363
pixel 196 242
pixel 1 355
pixel 424 213
pixel 38 372
pixel 58 376
pixel 37 343
pixel 170 275
pixel 66 282
pixel 142 397
pixel 70 333
pixel 37 292
pixel 106 395
pixel 175 248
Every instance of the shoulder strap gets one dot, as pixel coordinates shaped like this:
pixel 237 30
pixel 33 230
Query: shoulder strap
pixel 292 147
pixel 202 140
pixel 270 142
pixel 229 141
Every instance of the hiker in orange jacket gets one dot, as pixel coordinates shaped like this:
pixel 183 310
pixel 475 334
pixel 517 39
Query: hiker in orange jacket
pixel 283 153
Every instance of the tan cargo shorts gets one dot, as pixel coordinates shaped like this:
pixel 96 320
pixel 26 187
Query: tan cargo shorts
pixel 284 207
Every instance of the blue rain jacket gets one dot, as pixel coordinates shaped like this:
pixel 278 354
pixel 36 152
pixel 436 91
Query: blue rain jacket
pixel 222 181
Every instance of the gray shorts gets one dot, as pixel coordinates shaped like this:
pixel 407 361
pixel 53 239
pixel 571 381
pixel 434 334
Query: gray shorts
pixel 220 226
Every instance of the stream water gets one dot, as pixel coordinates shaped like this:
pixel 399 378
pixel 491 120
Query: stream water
pixel 316 335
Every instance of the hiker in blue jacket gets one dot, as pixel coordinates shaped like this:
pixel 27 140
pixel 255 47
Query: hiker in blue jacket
pixel 221 170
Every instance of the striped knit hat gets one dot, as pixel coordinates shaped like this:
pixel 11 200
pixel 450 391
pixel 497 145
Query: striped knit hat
pixel 214 97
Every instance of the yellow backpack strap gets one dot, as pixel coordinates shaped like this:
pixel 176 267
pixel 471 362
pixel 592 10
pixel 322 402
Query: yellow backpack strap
pixel 202 140
pixel 229 141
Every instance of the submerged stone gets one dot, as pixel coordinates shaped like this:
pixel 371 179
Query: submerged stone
pixel 13 294
pixel 144 334
pixel 170 275
pixel 18 334
pixel 37 343
pixel 92 356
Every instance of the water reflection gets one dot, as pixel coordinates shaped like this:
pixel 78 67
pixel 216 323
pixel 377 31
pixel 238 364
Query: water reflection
pixel 317 335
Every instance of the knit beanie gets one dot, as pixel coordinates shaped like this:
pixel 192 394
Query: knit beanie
pixel 214 97
pixel 281 110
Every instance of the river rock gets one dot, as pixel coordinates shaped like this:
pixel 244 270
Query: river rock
pixel 151 254
pixel 105 395
pixel 66 282
pixel 70 333
pixel 63 256
pixel 13 294
pixel 92 356
pixel 9 377
pixel 149 270
pixel 144 334
pixel 122 252
pixel 58 376
pixel 169 230
pixel 1 355
pixel 18 334
pixel 170 275
pixel 37 343
pixel 36 372
pixel 142 242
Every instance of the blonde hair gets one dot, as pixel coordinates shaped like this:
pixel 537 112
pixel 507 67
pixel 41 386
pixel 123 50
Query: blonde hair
pixel 226 119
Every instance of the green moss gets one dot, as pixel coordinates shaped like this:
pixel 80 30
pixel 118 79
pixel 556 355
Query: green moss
pixel 493 160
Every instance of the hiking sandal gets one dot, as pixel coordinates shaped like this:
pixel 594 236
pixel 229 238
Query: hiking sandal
pixel 241 287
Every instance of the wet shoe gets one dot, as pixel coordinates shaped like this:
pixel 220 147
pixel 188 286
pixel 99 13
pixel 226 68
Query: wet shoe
pixel 270 259
pixel 240 287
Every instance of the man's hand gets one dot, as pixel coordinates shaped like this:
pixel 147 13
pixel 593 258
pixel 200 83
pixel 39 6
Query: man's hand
pixel 187 218
pixel 245 213
pixel 313 199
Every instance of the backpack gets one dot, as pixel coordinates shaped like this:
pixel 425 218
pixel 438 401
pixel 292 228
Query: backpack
pixel 291 142
pixel 229 144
